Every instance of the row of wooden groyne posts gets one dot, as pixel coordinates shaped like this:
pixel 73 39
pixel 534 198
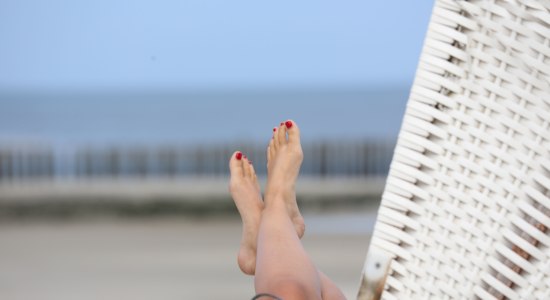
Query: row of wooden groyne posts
pixel 25 163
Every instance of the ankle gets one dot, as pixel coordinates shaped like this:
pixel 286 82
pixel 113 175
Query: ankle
pixel 279 190
pixel 273 203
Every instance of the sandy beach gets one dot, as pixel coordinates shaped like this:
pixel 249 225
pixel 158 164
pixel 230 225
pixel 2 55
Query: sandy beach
pixel 174 258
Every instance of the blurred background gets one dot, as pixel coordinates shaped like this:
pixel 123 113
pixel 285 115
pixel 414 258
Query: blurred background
pixel 117 119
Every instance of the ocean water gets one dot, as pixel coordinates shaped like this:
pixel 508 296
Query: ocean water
pixel 97 118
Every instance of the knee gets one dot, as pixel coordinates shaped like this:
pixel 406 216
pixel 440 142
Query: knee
pixel 290 289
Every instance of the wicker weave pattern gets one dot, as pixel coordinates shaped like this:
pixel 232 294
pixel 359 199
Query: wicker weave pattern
pixel 466 208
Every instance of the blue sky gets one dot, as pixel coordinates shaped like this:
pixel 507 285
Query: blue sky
pixel 123 68
pixel 163 44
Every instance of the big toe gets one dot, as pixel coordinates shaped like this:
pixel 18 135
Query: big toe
pixel 293 132
pixel 236 164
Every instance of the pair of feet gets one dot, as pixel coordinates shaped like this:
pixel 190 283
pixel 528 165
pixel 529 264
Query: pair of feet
pixel 284 158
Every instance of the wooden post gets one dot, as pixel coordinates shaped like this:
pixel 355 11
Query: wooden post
pixel 323 160
pixel 113 162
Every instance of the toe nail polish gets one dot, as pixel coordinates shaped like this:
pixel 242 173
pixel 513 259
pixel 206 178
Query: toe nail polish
pixel 239 155
pixel 282 123
pixel 288 124
pixel 274 129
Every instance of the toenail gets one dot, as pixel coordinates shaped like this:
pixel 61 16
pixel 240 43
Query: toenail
pixel 288 124
pixel 239 155
pixel 282 123
pixel 274 129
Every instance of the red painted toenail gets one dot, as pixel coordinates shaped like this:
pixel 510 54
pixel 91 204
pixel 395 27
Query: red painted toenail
pixel 288 124
pixel 239 155
pixel 282 123
pixel 244 156
pixel 274 129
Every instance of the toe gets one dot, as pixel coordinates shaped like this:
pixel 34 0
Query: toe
pixel 293 132
pixel 275 139
pixel 246 166
pixel 271 148
pixel 252 172
pixel 236 164
pixel 281 133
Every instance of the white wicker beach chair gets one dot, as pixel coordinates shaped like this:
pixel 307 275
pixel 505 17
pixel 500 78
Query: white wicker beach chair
pixel 466 209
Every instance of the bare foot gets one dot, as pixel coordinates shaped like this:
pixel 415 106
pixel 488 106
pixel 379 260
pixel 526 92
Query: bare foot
pixel 284 158
pixel 245 190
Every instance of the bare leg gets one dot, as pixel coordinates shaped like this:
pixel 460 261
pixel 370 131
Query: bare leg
pixel 283 267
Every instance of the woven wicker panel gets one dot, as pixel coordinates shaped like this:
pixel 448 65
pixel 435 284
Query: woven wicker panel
pixel 466 209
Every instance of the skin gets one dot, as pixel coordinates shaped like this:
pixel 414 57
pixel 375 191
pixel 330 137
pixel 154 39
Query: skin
pixel 270 246
pixel 245 190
